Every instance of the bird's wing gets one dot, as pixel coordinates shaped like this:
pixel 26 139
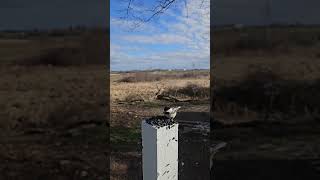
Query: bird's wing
pixel 169 110
pixel 176 109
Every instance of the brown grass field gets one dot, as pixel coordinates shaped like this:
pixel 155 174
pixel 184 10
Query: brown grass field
pixel 54 107
pixel 284 68
pixel 266 102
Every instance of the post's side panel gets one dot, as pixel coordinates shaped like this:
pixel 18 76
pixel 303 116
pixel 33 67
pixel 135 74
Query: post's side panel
pixel 149 151
pixel 167 152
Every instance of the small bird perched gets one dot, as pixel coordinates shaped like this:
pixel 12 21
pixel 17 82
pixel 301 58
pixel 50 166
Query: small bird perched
pixel 171 112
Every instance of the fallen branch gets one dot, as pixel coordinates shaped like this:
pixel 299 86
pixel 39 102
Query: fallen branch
pixel 131 101
pixel 167 98
pixel 171 98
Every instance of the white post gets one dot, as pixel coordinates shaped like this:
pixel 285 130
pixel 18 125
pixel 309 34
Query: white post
pixel 159 152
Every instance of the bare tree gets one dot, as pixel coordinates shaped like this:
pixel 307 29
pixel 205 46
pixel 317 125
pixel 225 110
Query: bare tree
pixel 158 7
pixel 141 13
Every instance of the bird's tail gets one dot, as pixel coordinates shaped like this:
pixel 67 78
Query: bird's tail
pixel 177 108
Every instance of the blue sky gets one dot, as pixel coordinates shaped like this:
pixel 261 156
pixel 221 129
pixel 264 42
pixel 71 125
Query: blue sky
pixel 178 39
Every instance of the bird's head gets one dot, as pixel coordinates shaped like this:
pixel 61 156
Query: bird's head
pixel 166 109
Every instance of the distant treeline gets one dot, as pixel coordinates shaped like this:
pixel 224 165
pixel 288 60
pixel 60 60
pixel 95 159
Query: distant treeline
pixel 57 32
pixel 161 70
pixel 278 25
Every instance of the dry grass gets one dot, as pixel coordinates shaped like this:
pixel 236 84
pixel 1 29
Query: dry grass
pixel 277 77
pixel 118 167
pixel 45 94
pixel 267 93
pixel 146 90
pixel 279 40
pixel 42 82
pixel 162 75
pixel 194 91
pixel 51 97
pixel 86 48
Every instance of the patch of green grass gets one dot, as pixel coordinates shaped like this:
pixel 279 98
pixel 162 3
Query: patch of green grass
pixel 124 135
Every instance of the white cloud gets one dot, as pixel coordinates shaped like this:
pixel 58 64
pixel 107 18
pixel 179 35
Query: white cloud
pixel 191 29
pixel 163 38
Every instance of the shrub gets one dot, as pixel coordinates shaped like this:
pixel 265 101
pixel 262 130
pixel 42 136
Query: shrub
pixel 265 91
pixel 154 76
pixel 191 90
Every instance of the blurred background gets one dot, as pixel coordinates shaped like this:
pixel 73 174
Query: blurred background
pixel 54 89
pixel 264 84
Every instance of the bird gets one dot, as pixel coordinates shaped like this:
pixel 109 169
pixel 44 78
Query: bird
pixel 171 112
